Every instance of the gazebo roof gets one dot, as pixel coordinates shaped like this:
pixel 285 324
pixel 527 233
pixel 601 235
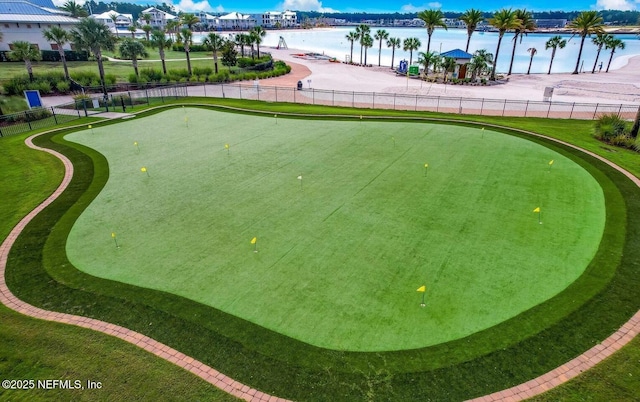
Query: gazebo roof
pixel 457 54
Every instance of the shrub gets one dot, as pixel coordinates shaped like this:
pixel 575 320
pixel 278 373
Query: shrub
pixel 609 126
pixel 133 78
pixel 622 140
pixel 63 86
pixel 151 75
pixel 205 71
pixel 43 86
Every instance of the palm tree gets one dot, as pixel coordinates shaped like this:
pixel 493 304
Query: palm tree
pixel 160 41
pixel 426 59
pixel 411 44
pixel 636 126
pixel 586 23
pixel 600 40
pixel 471 18
pixel 502 20
pixel 613 44
pixel 172 25
pixel 189 20
pixel 146 17
pixel 132 49
pixel 362 30
pixel 74 9
pixel 393 43
pixel 532 51
pixel 60 37
pixel 214 42
pixel 380 35
pixel 23 50
pixel 448 65
pixel 259 33
pixel 147 30
pixel 241 39
pixel 187 36
pixel 133 30
pixel 432 19
pixel 480 62
pixel 527 24
pixel 367 42
pixel 554 43
pixel 352 37
pixel 93 35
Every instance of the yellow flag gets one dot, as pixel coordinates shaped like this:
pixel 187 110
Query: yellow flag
pixel 537 209
pixel 551 162
pixel 90 126
pixel 135 143
pixel 422 288
pixel 254 240
pixel 143 169
pixel 113 235
pixel 426 165
pixel 226 146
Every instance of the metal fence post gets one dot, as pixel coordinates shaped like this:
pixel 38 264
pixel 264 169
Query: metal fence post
pixel 333 98
pixel 394 101
pixel 595 112
pixel 504 106
pixel 482 107
pixel 276 94
pixel 526 108
pixel 54 115
pixel 240 86
pixel 437 104
pixel 549 110
pixel 572 106
pixel 313 96
pixel 620 110
pixel 373 101
pixel 146 93
pixel 415 107
pixel 353 100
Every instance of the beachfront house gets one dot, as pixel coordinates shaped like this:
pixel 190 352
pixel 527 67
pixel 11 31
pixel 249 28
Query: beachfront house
pixel 462 58
pixel 235 21
pixel 23 20
pixel 159 18
pixel 207 21
pixel 277 19
pixel 118 23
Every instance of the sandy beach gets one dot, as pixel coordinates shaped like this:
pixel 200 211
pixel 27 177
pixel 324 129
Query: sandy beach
pixel 620 85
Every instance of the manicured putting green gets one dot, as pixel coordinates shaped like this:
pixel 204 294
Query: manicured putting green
pixel 341 252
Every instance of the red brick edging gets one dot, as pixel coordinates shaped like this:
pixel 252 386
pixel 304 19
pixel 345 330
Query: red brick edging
pixel 519 392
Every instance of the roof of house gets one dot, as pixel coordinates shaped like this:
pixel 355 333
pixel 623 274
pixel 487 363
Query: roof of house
pixel 37 11
pixel 457 54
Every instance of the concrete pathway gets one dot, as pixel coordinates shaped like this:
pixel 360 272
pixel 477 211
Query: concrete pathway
pixel 520 392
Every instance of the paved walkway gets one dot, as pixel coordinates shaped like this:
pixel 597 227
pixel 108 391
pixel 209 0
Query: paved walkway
pixel 520 392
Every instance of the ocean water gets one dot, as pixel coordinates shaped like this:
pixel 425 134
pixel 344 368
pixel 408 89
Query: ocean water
pixel 332 42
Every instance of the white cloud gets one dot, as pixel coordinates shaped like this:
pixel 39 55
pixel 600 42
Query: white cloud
pixel 60 3
pixel 190 5
pixel 624 5
pixel 306 5
pixel 410 8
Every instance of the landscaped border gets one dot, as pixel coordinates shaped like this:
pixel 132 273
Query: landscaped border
pixel 289 368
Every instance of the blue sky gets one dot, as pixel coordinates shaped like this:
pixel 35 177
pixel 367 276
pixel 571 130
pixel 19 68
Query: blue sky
pixel 250 6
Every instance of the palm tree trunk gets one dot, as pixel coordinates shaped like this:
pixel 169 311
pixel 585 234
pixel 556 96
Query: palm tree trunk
pixel 258 46
pixel 610 59
pixel 64 62
pixel 428 43
pixel 593 70
pixel 365 56
pixel 98 53
pixel 636 125
pixel 215 61
pixel 492 77
pixel 361 47
pixel 513 52
pixel 134 61
pixel 393 56
pixel 380 53
pixel 530 61
pixel 27 64
pixel 553 54
pixel 466 49
pixel 164 64
pixel 351 57
pixel 188 62
pixel 579 55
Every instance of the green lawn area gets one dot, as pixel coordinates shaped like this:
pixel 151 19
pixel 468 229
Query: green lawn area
pixel 365 227
pixel 593 306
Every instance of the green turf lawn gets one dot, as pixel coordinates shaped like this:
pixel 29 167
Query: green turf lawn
pixel 342 252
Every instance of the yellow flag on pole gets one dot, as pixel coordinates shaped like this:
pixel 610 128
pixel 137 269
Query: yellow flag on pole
pixel 254 240
pixel 143 169
pixel 426 165
pixel 537 209
pixel 226 146
pixel 422 288
pixel 113 235
pixel 551 162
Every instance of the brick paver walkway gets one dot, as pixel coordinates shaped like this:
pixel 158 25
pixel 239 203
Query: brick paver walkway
pixel 520 392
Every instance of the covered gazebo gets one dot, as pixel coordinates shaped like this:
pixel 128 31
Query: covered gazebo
pixel 462 58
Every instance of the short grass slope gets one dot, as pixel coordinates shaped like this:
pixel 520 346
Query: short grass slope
pixel 350 218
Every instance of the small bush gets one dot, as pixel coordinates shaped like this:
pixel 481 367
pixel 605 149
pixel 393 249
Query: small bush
pixel 133 78
pixel 609 126
pixel 205 71
pixel 63 86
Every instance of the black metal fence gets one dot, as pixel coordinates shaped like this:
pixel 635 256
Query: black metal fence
pixel 425 103
pixel 39 118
